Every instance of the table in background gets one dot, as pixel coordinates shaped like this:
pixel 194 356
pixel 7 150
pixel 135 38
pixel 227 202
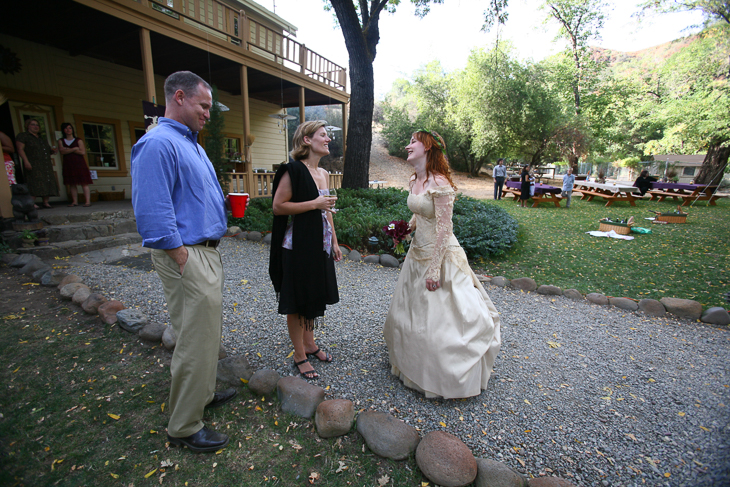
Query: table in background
pixel 611 192
pixel 543 193
pixel 688 192
pixel 377 184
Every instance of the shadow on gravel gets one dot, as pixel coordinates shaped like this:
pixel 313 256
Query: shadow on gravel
pixel 142 262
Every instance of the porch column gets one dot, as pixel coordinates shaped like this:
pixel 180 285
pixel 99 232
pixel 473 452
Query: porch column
pixel 248 159
pixel 301 105
pixel 344 132
pixel 147 66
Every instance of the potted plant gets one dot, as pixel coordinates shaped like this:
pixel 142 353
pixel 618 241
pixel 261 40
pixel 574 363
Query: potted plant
pixel 27 239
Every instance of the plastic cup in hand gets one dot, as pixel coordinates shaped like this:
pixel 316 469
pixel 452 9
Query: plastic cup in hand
pixel 238 204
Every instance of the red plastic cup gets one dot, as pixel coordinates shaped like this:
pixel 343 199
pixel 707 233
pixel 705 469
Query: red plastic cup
pixel 238 204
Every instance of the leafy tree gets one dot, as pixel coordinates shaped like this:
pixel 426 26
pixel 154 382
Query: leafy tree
pixel 215 142
pixel 712 9
pixel 359 23
pixel 695 103
pixel 580 21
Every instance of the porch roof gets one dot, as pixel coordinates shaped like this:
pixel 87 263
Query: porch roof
pixel 81 30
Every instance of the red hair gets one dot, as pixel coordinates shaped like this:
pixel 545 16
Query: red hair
pixel 436 161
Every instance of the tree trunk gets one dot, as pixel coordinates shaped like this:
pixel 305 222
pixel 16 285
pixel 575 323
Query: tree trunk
pixel 361 42
pixel 713 167
pixel 359 128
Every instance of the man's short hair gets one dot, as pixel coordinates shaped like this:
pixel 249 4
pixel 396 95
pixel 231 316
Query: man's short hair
pixel 186 81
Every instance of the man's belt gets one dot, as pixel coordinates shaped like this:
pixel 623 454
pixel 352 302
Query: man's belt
pixel 209 243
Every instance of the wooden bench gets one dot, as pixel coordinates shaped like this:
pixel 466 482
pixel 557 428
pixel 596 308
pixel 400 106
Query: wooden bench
pixel 688 199
pixel 610 198
pixel 536 199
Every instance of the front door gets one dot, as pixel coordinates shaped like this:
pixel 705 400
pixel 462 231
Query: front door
pixel 21 112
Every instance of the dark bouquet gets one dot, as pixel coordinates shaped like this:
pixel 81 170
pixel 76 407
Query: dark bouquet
pixel 397 230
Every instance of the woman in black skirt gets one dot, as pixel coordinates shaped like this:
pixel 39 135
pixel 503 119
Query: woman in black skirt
pixel 525 185
pixel 304 244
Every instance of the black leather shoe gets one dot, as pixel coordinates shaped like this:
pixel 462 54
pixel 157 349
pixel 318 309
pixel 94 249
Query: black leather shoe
pixel 220 398
pixel 205 440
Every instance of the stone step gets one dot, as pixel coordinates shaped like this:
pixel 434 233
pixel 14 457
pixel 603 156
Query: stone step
pixel 89 230
pixel 72 247
pixel 65 217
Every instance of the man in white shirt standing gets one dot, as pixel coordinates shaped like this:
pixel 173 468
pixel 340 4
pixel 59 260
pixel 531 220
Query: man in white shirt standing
pixel 500 174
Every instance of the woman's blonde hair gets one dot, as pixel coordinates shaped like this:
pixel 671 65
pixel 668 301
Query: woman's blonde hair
pixel 300 150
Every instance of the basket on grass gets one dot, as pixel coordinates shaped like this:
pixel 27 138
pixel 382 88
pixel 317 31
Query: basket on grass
pixel 622 227
pixel 676 216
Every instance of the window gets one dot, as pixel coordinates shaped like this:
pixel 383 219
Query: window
pixel 100 148
pixel 136 131
pixel 688 171
pixel 104 149
pixel 233 149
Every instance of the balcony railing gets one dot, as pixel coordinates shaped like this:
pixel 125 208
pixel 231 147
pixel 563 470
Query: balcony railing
pixel 261 184
pixel 235 27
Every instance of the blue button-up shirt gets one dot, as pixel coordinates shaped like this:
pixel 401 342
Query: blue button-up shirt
pixel 568 181
pixel 176 196
pixel 499 171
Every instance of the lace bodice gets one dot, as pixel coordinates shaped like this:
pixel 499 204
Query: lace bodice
pixel 434 238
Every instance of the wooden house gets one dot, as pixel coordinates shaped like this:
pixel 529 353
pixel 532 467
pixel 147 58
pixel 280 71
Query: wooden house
pixel 94 62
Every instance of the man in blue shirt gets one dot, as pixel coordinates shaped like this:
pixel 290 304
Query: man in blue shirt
pixel 181 215
pixel 500 174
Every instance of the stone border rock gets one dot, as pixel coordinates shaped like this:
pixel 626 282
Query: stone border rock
pixel 680 308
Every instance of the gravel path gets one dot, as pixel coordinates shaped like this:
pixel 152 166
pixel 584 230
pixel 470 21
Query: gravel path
pixel 594 394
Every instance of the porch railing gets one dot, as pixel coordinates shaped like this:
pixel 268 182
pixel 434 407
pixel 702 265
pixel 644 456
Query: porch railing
pixel 234 26
pixel 261 184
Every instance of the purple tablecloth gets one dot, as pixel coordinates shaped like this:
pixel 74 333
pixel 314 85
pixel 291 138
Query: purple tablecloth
pixel 539 187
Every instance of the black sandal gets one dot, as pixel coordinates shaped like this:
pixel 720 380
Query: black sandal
pixel 310 374
pixel 328 357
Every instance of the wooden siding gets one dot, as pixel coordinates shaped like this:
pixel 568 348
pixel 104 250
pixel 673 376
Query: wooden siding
pixel 93 88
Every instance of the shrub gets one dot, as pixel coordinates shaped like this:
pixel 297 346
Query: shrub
pixel 482 229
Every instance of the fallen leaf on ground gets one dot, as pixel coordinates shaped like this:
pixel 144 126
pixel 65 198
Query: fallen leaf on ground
pixel 150 474
pixel 553 344
pixel 113 416
pixel 383 480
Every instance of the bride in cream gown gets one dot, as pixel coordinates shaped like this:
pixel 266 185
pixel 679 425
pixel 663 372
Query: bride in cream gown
pixel 442 330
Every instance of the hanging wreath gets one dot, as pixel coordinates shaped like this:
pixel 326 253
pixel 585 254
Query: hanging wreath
pixel 9 61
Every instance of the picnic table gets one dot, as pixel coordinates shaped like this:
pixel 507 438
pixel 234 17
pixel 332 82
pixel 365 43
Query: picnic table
pixel 611 192
pixel 688 192
pixel 543 193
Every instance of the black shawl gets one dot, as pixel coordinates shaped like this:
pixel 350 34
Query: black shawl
pixel 308 256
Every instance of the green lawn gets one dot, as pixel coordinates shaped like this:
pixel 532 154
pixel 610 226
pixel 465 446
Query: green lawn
pixel 690 261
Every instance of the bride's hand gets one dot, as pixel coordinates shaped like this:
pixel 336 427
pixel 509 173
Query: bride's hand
pixel 432 285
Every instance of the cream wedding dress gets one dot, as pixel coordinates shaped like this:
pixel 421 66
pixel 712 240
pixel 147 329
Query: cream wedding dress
pixel 441 343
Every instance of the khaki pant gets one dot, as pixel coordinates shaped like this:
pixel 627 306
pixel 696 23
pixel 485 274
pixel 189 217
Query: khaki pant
pixel 194 301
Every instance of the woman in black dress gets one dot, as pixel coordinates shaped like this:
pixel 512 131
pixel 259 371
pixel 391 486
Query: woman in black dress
pixel 75 170
pixel 524 185
pixel 304 243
